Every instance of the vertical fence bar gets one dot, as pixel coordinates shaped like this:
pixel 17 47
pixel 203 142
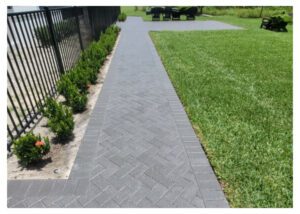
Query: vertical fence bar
pixel 76 48
pixel 19 86
pixel 17 97
pixel 15 109
pixel 42 64
pixel 56 48
pixel 78 27
pixel 52 59
pixel 30 61
pixel 35 54
pixel 18 66
pixel 33 70
pixel 26 60
pixel 11 137
pixel 74 40
pixel 62 44
pixel 13 122
pixel 68 42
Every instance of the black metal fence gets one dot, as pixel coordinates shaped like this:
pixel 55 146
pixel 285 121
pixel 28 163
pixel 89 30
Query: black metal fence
pixel 42 45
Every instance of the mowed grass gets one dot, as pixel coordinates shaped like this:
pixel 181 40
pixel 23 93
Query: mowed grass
pixel 236 87
pixel 131 11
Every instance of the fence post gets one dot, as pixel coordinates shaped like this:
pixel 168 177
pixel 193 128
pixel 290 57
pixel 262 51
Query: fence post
pixel 78 26
pixel 53 38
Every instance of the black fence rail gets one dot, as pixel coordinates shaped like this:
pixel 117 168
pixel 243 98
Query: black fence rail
pixel 41 46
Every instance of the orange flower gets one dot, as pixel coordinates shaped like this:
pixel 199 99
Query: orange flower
pixel 39 143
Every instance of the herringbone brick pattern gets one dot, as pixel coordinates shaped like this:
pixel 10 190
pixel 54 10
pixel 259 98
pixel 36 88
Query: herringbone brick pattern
pixel 139 149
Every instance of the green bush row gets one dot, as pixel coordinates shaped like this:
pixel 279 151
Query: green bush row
pixel 62 29
pixel 73 86
pixel 122 17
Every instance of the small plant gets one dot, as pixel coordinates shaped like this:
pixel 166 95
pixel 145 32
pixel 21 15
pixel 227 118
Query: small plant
pixel 113 29
pixel 122 17
pixel 108 38
pixel 76 100
pixel 63 86
pixel 108 41
pixel 60 118
pixel 79 77
pixel 30 148
pixel 92 59
pixel 91 70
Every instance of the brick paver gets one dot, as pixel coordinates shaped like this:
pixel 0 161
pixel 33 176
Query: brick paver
pixel 139 149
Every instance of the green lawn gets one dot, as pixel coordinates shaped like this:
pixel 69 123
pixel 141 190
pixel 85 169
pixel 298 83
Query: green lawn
pixel 130 11
pixel 236 87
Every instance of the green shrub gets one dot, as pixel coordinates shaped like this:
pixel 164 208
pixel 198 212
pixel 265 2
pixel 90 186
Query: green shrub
pixel 91 70
pixel 74 98
pixel 108 38
pixel 62 30
pixel 216 11
pixel 287 18
pixel 284 15
pixel 63 86
pixel 60 118
pixel 79 77
pixel 92 59
pixel 122 17
pixel 30 148
pixel 249 13
pixel 95 55
pixel 113 29
pixel 77 101
pixel 108 41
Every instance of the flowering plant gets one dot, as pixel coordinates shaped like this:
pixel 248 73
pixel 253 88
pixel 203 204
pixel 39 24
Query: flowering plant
pixel 39 144
pixel 30 148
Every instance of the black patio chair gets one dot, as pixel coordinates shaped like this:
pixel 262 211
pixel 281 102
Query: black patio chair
pixel 155 11
pixel 274 23
pixel 191 12
pixel 167 13
pixel 175 14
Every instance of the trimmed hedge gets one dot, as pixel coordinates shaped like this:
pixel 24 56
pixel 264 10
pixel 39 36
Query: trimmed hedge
pixel 122 17
pixel 74 84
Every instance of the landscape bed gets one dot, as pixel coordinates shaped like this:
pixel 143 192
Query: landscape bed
pixel 236 87
pixel 51 156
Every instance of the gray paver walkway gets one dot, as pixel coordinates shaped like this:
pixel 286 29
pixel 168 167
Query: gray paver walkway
pixel 139 149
